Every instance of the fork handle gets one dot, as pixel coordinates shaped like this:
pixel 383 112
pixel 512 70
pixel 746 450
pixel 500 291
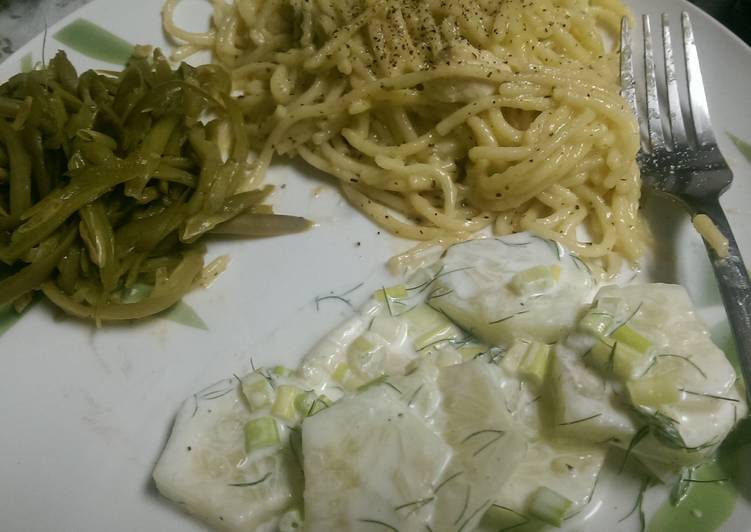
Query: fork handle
pixel 735 287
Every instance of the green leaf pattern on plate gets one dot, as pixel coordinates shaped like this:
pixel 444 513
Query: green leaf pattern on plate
pixel 94 41
pixel 742 145
pixel 184 314
pixel 707 504
pixel 8 317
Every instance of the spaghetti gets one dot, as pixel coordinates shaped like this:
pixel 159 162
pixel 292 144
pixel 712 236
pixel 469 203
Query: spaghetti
pixel 443 117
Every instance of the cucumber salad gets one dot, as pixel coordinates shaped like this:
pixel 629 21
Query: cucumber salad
pixel 481 393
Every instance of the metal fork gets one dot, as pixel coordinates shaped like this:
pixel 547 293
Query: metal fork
pixel 684 162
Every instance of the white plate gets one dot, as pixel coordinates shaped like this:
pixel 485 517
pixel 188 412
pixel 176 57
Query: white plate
pixel 84 413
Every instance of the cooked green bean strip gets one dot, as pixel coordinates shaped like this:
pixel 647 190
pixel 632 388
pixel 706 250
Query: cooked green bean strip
pixel 33 141
pixel 132 168
pixel 96 232
pixel 65 72
pixel 9 107
pixel 152 145
pixel 204 222
pixel 69 267
pixel 175 175
pixel 20 169
pixel 162 297
pixel 8 222
pixel 91 135
pixel 257 225
pixel 32 276
pixel 86 186
pixel 96 153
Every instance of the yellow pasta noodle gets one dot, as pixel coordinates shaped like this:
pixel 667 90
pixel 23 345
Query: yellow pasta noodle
pixel 443 117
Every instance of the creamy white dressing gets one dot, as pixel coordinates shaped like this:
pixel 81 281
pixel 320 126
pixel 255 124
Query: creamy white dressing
pixel 432 422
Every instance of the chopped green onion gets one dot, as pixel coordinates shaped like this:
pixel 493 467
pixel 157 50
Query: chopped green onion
pixel 396 292
pixel 257 390
pixel 627 335
pixel 375 382
pixel 471 350
pixel 535 280
pixel 615 306
pixel 366 356
pixel 653 391
pixel 284 404
pixel 423 318
pixel 617 357
pixel 596 322
pixel 261 433
pixel 344 375
pixel 514 356
pixel 393 330
pixel 440 333
pixel 341 372
pixel 281 371
pixel 304 402
pixel 448 356
pixel 534 365
pixel 548 506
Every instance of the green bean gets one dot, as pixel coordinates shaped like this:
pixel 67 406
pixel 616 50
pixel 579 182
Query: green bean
pixel 20 170
pixel 163 297
pixel 175 175
pixel 69 267
pixel 257 225
pixel 65 72
pixel 86 186
pixel 32 276
pixel 107 180
pixel 9 107
pixel 96 232
pixel 32 138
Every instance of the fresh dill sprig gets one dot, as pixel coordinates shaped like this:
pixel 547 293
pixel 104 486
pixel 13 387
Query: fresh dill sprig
pixel 491 442
pixel 338 297
pixel 646 481
pixel 344 300
pixel 465 506
pixel 441 273
pixel 710 395
pixel 473 515
pixel 556 247
pixel 387 300
pixel 264 478
pixel 416 504
pixel 446 481
pixel 686 359
pixel 631 317
pixel 387 383
pixel 582 420
pixel 580 264
pixel 512 244
pixel 497 435
pixel 480 432
pixel 639 436
pixel 216 394
pixel 434 295
pixel 414 395
pixel 508 317
pixel 425 283
pixel 195 405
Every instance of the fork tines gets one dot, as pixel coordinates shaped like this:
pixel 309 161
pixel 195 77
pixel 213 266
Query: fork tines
pixel 676 133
